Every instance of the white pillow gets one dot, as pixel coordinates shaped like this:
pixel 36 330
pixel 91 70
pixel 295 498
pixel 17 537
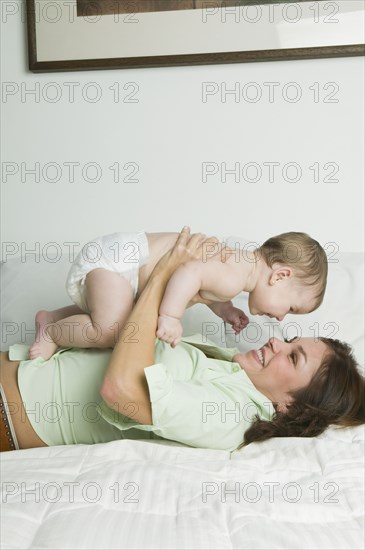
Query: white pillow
pixel 200 319
pixel 33 283
pixel 27 285
pixel 340 316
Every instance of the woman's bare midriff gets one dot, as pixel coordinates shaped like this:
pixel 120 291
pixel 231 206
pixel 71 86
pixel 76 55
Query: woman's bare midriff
pixel 26 436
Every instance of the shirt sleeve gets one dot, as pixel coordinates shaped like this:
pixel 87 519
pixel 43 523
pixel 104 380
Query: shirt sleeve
pixel 199 413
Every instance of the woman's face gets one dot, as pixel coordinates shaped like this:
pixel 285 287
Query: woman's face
pixel 279 367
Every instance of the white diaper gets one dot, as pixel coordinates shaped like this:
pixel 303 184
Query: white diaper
pixel 122 253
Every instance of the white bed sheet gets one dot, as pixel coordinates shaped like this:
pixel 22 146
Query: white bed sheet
pixel 292 493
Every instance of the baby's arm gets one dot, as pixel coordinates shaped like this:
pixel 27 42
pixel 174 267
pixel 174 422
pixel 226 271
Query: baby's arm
pixel 219 308
pixel 195 282
pixel 211 281
pixel 230 314
pixel 183 285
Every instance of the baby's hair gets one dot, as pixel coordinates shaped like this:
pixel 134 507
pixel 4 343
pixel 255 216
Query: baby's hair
pixel 304 255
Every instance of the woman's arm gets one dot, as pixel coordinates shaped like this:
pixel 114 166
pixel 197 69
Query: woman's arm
pixel 125 381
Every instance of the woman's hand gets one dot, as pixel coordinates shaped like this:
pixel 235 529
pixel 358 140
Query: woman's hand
pixel 187 247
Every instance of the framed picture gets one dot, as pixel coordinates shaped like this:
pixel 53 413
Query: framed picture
pixel 67 35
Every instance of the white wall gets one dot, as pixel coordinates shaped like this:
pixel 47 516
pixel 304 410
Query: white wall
pixel 169 132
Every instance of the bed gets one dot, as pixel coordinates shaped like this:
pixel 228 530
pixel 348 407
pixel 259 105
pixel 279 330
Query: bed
pixel 294 493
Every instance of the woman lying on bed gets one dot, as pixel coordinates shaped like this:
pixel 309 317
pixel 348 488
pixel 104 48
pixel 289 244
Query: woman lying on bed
pixel 197 393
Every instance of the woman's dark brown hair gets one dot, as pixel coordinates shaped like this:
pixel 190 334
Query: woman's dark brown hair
pixel 335 395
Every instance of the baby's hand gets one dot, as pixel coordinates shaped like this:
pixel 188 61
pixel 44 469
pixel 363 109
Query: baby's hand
pixel 169 330
pixel 235 317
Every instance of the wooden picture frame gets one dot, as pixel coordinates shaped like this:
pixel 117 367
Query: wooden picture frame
pixel 90 34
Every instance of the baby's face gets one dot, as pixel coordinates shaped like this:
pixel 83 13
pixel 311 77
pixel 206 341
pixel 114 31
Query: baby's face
pixel 280 298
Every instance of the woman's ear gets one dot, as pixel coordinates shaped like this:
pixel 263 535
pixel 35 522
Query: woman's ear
pixel 282 406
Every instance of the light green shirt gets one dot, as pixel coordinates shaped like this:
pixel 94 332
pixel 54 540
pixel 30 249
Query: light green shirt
pixel 196 400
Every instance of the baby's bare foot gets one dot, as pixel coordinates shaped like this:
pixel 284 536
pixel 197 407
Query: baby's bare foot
pixel 43 345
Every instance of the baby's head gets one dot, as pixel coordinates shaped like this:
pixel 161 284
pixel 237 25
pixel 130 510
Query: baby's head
pixel 292 276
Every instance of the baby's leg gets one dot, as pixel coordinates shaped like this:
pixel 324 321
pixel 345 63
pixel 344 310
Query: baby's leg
pixel 43 346
pixel 110 299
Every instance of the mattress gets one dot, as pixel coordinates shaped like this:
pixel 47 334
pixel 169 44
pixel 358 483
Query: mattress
pixel 292 493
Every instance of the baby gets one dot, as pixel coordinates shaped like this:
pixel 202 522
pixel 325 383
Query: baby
pixel 287 274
